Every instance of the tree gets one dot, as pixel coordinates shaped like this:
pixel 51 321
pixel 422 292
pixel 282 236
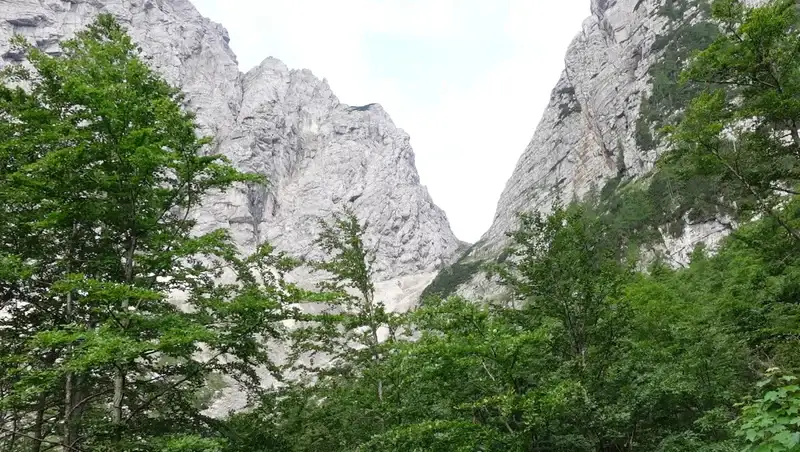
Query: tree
pixel 742 133
pixel 586 355
pixel 345 337
pixel 475 377
pixel 348 330
pixel 569 266
pixel 100 170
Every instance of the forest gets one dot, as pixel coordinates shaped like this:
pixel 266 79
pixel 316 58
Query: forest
pixel 119 325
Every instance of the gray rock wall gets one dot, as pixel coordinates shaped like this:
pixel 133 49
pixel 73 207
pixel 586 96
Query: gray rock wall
pixel 595 121
pixel 319 154
pixel 591 117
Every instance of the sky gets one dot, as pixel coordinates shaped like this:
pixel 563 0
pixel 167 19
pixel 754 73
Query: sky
pixel 467 79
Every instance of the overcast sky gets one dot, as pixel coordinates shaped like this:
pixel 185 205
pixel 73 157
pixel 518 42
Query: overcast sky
pixel 467 79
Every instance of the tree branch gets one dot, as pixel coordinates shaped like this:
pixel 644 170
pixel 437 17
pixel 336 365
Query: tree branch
pixel 53 443
pixel 761 203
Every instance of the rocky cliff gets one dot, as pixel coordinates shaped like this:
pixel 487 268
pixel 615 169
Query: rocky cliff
pixel 617 89
pixel 319 154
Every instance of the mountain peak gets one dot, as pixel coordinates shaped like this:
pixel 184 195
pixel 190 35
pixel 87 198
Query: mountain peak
pixel 319 155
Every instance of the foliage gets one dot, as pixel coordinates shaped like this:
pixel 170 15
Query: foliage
pixel 346 332
pixel 569 104
pixel 668 97
pixel 744 142
pixel 589 353
pixel 772 422
pixel 100 170
pixel 676 10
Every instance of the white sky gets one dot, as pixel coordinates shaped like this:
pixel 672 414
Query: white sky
pixel 467 79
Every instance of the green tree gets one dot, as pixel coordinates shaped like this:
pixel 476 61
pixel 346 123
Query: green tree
pixel 347 331
pixel 345 338
pixel 474 377
pixel 477 377
pixel 570 266
pixel 742 134
pixel 586 353
pixel 100 169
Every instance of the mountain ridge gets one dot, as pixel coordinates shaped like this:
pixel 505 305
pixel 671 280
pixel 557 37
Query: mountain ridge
pixel 319 154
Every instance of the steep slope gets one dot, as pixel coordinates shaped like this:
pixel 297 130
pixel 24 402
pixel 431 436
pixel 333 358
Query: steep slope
pixel 319 154
pixel 617 89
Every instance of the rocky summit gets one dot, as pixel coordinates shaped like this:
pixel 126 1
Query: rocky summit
pixel 318 154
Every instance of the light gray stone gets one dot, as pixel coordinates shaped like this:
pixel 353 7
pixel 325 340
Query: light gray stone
pixel 318 154
pixel 589 124
pixel 591 116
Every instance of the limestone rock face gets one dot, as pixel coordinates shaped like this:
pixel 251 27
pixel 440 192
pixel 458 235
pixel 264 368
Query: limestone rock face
pixel 318 154
pixel 591 118
pixel 600 124
pixel 589 129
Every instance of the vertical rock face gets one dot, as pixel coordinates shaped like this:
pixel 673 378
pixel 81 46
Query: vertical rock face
pixel 588 128
pixel 602 118
pixel 189 50
pixel 319 154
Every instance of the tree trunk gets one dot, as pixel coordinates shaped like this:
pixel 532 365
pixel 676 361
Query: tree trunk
pixel 795 134
pixel 119 388
pixel 38 425
pixel 12 441
pixel 67 437
pixel 373 326
pixel 68 434
pixel 119 377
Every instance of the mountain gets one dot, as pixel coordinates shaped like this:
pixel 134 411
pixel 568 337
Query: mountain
pixel 618 87
pixel 319 154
